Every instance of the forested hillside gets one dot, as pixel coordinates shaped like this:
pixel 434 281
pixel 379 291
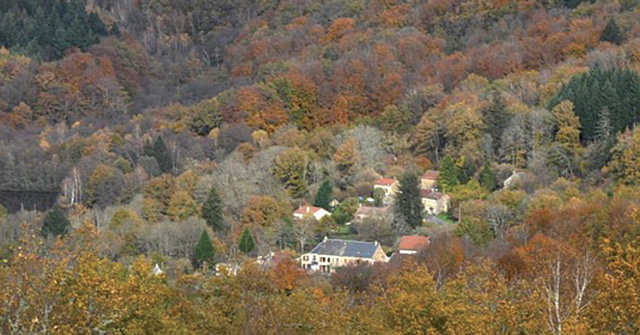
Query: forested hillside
pixel 184 134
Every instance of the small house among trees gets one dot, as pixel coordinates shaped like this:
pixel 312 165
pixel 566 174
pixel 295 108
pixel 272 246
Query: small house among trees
pixel 389 186
pixel 411 245
pixel 434 202
pixel 310 211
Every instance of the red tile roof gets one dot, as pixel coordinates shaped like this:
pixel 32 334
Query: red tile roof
pixel 431 174
pixel 429 194
pixel 303 210
pixel 414 242
pixel 386 181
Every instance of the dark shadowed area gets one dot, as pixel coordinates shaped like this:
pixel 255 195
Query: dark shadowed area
pixel 14 201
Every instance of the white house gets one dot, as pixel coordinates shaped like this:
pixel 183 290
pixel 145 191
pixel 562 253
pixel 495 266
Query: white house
pixel 310 211
pixel 389 186
pixel 434 202
pixel 331 254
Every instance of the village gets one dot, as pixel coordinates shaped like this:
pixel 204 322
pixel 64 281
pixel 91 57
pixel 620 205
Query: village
pixel 333 253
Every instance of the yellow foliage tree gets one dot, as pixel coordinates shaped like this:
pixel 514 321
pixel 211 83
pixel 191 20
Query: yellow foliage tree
pixel 625 161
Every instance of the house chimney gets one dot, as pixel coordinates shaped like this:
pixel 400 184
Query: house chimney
pixel 308 209
pixel 325 237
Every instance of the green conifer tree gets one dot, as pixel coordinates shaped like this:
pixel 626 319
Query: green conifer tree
pixel 204 252
pixel 378 197
pixel 612 33
pixel 162 155
pixel 408 205
pixel 487 178
pixel 323 197
pixel 448 177
pixel 212 210
pixel 55 223
pixel 246 244
pixel 495 118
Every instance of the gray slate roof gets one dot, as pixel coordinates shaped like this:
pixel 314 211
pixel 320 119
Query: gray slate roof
pixel 331 247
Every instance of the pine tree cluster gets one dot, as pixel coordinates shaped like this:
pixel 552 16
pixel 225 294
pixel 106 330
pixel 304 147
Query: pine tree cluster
pixel 47 28
pixel 603 97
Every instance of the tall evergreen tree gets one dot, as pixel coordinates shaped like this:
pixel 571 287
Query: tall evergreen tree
pixel 448 176
pixel 204 252
pixel 246 244
pixel 465 170
pixel 323 197
pixel 378 197
pixel 495 118
pixel 408 205
pixel 212 210
pixel 162 155
pixel 612 33
pixel 487 178
pixel 55 223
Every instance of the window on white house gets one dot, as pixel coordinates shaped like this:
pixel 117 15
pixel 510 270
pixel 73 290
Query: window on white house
pixel 322 259
pixel 305 258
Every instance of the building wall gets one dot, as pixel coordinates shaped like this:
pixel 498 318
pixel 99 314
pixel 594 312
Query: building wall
pixel 317 215
pixel 388 190
pixel 427 184
pixel 328 264
pixel 431 206
pixel 320 214
pixel 435 207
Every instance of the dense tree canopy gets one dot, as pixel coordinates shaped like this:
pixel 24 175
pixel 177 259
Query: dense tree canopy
pixel 48 28
pixel 603 98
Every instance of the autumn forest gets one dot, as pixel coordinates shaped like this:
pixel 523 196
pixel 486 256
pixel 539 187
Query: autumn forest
pixel 159 160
